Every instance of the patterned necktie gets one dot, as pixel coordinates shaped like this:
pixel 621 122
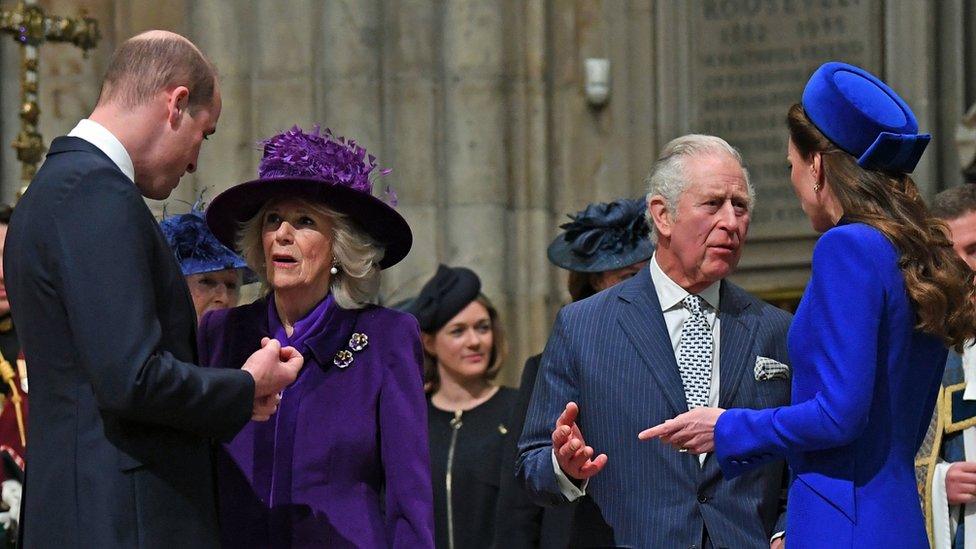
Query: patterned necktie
pixel 695 354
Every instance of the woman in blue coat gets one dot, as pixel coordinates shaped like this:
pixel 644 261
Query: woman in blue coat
pixel 867 344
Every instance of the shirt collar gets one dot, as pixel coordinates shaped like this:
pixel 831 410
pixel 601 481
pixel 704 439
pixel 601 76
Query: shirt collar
pixel 98 135
pixel 670 294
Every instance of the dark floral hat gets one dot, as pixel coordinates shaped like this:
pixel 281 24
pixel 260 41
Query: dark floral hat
pixel 196 249
pixel 603 237
pixel 319 167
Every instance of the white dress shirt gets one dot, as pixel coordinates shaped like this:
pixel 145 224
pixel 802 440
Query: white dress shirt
pixel 670 296
pixel 98 135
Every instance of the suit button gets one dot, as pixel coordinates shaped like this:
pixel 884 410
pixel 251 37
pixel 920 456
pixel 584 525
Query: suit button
pixel 702 498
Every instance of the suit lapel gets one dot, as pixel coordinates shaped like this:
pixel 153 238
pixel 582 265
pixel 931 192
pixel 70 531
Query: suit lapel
pixel 641 320
pixel 737 331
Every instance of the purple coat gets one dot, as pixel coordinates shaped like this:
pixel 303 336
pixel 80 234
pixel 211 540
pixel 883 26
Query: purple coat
pixel 344 462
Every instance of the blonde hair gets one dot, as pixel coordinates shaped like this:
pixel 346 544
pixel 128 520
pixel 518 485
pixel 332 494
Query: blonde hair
pixel 358 256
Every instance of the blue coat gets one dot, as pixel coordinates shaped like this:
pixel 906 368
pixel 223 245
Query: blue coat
pixel 864 386
pixel 121 419
pixel 611 353
pixel 344 461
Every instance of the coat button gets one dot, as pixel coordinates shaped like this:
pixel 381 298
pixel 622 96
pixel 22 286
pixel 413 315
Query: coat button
pixel 702 498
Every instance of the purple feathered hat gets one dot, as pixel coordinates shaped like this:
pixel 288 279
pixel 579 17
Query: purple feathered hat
pixel 319 167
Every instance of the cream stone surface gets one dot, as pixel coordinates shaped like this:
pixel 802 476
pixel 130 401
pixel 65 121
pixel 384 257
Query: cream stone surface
pixel 478 106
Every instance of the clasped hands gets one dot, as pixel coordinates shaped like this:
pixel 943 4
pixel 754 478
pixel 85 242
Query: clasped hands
pixel 273 367
pixel 692 431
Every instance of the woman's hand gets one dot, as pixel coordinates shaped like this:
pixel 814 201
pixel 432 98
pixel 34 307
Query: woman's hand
pixel 692 431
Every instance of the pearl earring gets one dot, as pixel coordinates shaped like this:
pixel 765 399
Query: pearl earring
pixel 335 269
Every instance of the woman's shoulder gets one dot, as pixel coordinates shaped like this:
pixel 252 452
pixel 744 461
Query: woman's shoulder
pixel 854 239
pixel 389 319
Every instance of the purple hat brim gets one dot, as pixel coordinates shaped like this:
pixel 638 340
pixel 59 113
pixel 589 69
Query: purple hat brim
pixel 238 204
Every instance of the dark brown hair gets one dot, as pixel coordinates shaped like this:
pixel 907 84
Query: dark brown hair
pixel 499 350
pixel 955 202
pixel 580 285
pixel 940 285
pixel 145 65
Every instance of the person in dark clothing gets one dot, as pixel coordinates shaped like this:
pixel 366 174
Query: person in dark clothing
pixel 604 244
pixel 464 348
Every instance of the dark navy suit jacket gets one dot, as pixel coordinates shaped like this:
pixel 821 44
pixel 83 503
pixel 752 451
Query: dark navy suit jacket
pixel 611 353
pixel 119 448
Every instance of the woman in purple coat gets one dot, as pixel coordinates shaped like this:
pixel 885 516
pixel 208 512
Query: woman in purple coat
pixel 344 462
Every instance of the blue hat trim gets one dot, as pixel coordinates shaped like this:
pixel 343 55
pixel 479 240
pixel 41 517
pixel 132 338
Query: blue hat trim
pixel 863 116
pixel 603 237
pixel 196 249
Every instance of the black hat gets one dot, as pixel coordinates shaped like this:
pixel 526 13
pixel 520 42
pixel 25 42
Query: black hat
pixel 603 237
pixel 443 296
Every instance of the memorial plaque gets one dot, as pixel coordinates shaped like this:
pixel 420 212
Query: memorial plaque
pixel 749 62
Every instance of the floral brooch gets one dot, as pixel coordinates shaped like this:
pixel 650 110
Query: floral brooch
pixel 357 343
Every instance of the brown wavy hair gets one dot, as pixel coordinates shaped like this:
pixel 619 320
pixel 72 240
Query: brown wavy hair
pixel 939 283
pixel 499 350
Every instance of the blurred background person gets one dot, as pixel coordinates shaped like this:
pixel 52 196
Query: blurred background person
pixel 468 416
pixel 214 273
pixel 949 482
pixel 602 245
pixel 13 407
pixel 344 461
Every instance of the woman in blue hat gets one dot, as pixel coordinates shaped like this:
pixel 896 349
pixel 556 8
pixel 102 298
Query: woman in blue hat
pixel 213 272
pixel 868 343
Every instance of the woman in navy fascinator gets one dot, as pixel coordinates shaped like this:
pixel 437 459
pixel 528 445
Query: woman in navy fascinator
pixel 344 462
pixel 886 296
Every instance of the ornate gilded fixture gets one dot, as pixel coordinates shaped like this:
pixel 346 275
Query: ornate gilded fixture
pixel 30 27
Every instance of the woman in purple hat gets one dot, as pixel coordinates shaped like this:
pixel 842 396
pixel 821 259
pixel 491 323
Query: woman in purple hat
pixel 344 462
pixel 886 295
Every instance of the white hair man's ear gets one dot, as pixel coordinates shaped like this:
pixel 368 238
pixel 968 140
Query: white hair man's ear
pixel 660 214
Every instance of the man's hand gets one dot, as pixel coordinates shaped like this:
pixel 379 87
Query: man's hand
pixel 960 483
pixel 273 369
pixel 692 431
pixel 572 453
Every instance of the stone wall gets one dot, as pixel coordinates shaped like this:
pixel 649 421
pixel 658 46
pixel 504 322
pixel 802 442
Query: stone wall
pixel 478 107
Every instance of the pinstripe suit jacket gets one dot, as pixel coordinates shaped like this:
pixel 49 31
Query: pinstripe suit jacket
pixel 612 355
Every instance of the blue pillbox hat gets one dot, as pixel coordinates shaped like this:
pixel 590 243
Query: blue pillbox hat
pixel 863 116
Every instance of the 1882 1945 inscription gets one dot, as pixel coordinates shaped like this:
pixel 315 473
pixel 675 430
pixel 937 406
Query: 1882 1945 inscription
pixel 749 62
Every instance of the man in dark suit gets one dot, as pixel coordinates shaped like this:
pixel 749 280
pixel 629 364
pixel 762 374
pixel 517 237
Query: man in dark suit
pixel 673 337
pixel 121 418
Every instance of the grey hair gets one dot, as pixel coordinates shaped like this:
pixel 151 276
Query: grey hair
pixel 358 256
pixel 668 179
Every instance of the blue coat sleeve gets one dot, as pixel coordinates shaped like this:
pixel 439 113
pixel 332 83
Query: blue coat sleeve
pixel 838 336
pixel 555 387
pixel 403 442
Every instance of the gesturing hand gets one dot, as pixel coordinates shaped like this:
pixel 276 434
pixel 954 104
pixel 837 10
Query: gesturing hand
pixel 960 483
pixel 692 431
pixel 572 453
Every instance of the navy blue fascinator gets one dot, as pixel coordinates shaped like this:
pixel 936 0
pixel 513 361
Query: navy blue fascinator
pixel 863 116
pixel 603 237
pixel 196 249
pixel 449 291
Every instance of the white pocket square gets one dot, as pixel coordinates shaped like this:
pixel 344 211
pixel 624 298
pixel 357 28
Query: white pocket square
pixel 767 368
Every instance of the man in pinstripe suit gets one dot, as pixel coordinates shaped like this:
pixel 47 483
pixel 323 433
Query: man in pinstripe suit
pixel 674 336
